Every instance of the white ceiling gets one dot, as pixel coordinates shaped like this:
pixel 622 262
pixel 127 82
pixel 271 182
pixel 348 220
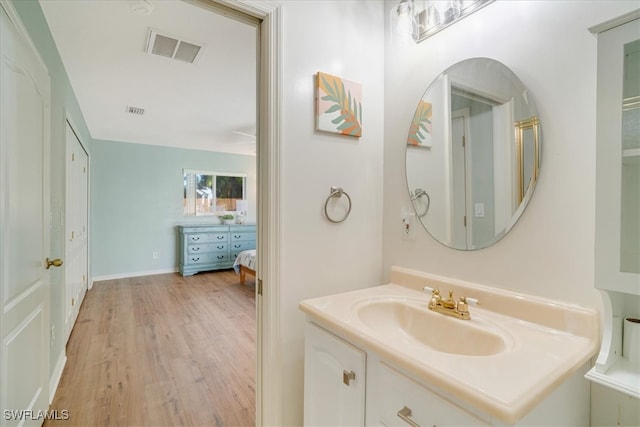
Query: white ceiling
pixel 209 105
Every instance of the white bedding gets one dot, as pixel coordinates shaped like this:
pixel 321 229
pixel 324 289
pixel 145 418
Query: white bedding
pixel 246 258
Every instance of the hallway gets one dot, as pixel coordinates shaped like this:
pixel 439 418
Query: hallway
pixel 162 350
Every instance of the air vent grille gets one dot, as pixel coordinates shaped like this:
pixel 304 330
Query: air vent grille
pixel 135 110
pixel 171 47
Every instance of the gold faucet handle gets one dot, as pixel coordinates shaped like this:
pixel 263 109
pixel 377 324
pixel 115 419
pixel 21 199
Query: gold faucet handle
pixel 463 304
pixel 432 290
pixel 471 301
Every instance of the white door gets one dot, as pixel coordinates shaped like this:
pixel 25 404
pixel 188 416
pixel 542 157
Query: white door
pixel 76 228
pixel 24 226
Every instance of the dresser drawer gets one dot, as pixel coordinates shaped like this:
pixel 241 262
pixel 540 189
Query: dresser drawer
pixel 242 246
pixel 247 235
pixel 206 258
pixel 207 247
pixel 207 237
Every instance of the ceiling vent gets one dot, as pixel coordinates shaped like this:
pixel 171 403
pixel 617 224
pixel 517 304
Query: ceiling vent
pixel 135 110
pixel 170 47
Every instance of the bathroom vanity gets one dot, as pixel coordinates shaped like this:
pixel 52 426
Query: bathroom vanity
pixel 380 356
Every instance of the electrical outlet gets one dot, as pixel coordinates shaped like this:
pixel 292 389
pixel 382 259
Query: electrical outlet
pixel 408 227
pixel 155 254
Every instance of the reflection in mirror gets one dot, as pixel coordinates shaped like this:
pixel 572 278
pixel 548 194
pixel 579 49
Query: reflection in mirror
pixel 527 146
pixel 630 179
pixel 212 193
pixel 469 175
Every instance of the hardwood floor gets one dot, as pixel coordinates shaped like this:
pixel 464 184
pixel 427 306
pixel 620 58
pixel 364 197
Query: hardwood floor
pixel 162 350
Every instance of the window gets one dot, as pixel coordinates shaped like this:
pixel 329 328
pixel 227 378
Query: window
pixel 212 193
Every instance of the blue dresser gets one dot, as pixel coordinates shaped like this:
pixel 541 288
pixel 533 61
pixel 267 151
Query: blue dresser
pixel 213 247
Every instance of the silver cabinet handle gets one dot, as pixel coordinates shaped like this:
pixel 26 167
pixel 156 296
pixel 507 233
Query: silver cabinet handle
pixel 405 415
pixel 348 376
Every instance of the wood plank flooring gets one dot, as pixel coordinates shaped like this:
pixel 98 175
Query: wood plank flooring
pixel 162 350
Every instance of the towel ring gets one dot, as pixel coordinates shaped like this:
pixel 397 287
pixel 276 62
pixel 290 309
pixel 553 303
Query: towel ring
pixel 337 192
pixel 418 194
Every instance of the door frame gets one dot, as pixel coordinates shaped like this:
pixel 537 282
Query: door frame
pixel 269 404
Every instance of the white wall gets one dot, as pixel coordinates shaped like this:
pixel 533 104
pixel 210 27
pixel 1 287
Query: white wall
pixel 550 251
pixel 343 38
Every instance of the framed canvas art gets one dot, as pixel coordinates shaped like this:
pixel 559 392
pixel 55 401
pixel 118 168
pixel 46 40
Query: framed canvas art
pixel 338 105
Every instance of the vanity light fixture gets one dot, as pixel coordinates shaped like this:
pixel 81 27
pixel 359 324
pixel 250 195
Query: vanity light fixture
pixel 423 18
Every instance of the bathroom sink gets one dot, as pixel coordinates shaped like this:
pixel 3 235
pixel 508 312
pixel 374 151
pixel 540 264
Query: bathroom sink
pixel 414 321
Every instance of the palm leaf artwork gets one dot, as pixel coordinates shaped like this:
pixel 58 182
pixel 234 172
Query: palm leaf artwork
pixel 420 125
pixel 332 91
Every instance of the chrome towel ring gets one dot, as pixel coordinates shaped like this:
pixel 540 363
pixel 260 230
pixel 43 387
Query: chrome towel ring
pixel 418 193
pixel 336 193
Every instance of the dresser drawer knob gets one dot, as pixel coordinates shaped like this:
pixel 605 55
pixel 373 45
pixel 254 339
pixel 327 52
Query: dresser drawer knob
pixel 195 238
pixel 195 259
pixel 220 246
pixel 220 257
pixel 195 249
pixel 237 246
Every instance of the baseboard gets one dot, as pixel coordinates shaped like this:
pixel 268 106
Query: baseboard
pixel 56 375
pixel 133 274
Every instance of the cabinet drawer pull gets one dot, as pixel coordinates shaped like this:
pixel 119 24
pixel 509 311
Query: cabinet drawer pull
pixel 195 249
pixel 220 237
pixel 237 246
pixel 220 257
pixel 195 259
pixel 195 238
pixel 348 376
pixel 220 246
pixel 405 415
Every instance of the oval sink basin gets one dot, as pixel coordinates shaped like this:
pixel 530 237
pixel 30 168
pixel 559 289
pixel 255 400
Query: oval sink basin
pixel 437 331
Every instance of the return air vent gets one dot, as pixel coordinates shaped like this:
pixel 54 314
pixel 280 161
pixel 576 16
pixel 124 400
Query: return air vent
pixel 135 110
pixel 171 47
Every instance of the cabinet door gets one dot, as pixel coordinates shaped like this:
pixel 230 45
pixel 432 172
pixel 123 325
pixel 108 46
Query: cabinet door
pixel 617 265
pixel 334 380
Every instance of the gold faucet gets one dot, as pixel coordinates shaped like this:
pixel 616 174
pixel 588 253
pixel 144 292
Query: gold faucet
pixel 450 306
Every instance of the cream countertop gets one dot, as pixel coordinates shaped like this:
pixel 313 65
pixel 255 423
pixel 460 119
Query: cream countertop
pixel 545 341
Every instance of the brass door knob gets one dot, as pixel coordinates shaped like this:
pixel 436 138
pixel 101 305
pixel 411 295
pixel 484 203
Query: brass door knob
pixel 56 263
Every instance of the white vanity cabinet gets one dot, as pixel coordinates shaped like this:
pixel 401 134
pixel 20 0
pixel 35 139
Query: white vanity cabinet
pixel 617 238
pixel 345 385
pixel 334 380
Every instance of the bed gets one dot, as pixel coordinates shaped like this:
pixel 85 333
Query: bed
pixel 245 263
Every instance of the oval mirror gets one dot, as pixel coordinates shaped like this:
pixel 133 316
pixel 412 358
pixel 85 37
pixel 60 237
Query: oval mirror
pixel 473 154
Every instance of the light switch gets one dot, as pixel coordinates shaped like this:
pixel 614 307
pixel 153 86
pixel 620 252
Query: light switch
pixel 479 207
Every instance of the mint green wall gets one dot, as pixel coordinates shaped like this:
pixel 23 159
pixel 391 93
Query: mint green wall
pixel 136 203
pixel 63 102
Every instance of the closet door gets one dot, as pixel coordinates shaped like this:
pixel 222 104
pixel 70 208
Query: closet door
pixel 76 226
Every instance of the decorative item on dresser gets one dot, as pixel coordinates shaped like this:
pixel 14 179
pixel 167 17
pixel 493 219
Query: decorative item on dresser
pixel 206 247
